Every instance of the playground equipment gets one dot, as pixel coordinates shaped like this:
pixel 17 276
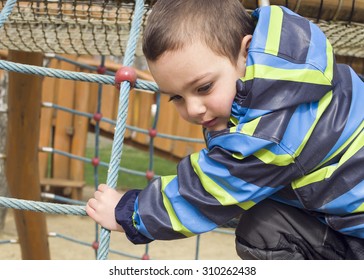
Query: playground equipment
pixel 93 28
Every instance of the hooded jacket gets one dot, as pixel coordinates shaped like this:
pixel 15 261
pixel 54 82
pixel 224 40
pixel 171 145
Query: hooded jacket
pixel 295 135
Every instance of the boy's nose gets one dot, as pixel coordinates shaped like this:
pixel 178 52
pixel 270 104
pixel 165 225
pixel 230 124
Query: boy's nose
pixel 195 107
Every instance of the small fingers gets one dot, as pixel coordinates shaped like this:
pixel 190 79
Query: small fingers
pixel 102 187
pixel 92 203
pixel 90 207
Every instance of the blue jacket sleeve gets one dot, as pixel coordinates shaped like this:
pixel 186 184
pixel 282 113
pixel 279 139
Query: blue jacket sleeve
pixel 124 212
pixel 209 190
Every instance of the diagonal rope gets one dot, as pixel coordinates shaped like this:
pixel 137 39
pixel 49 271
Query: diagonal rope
pixel 44 207
pixel 70 75
pixel 120 128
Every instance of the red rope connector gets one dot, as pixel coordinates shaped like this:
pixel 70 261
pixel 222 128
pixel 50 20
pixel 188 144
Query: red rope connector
pixel 101 70
pixel 95 161
pixel 152 132
pixel 97 116
pixel 149 175
pixel 95 245
pixel 125 73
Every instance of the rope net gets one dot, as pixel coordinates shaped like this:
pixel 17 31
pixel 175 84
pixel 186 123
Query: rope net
pixel 102 27
pixel 69 27
pixel 347 39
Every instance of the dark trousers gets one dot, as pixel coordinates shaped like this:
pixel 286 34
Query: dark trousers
pixel 275 231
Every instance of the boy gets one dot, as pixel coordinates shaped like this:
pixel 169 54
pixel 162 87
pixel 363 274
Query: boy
pixel 284 134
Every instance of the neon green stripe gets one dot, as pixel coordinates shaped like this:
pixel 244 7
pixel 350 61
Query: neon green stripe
pixel 238 156
pixel 346 143
pixel 354 148
pixel 326 172
pixel 246 205
pixel 268 157
pixel 316 176
pixel 210 186
pixel 359 209
pixel 250 127
pixel 234 120
pixel 232 129
pixel 293 75
pixel 274 30
pixel 176 224
pixel 329 71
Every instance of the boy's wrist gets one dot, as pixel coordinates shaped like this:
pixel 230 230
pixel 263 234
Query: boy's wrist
pixel 124 211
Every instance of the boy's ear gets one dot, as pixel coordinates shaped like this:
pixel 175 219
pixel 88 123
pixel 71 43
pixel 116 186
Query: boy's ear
pixel 245 43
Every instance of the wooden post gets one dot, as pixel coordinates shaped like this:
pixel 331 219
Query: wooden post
pixel 24 103
pixel 46 120
pixel 3 129
pixel 63 123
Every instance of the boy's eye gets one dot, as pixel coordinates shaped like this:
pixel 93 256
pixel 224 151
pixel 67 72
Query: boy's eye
pixel 204 88
pixel 174 98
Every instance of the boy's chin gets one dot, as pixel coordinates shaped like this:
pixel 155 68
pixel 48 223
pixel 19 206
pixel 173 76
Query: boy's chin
pixel 217 128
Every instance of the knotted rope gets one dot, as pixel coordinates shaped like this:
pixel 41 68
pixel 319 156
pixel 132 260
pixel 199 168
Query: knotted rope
pixel 117 146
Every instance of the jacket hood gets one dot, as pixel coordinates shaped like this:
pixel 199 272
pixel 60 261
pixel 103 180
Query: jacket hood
pixel 285 52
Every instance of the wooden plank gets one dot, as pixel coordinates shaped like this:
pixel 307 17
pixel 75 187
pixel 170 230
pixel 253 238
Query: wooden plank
pixel 355 62
pixel 129 119
pixel 3 54
pixel 180 148
pixel 142 107
pixel 196 132
pixel 80 125
pixel 109 104
pixel 166 121
pixel 22 155
pixel 55 182
pixel 46 120
pixel 64 123
pixel 92 103
pixel 183 128
pixel 67 187
pixel 133 111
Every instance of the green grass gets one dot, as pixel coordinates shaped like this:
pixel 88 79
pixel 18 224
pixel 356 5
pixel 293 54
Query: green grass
pixel 131 159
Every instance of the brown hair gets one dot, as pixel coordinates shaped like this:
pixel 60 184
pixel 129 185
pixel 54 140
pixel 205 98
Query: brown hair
pixel 220 24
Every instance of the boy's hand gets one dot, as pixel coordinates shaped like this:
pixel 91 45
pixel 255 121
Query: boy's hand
pixel 101 208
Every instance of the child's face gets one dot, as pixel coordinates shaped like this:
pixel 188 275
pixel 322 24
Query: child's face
pixel 200 83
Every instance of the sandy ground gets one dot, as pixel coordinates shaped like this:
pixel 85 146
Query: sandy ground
pixel 216 246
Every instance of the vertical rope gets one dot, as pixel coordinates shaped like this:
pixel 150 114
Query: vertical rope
pixel 6 11
pixel 117 146
pixel 97 143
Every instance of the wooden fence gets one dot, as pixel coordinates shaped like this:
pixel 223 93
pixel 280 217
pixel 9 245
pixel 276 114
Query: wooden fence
pixel 67 132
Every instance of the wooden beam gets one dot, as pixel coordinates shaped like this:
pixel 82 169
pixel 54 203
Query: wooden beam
pixel 335 10
pixel 22 172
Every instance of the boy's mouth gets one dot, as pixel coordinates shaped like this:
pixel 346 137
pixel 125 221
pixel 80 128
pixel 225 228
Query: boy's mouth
pixel 210 123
